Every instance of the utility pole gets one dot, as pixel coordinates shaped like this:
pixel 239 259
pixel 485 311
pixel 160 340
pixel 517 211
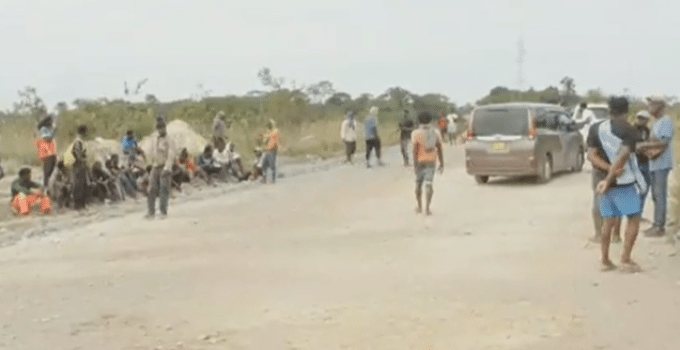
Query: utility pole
pixel 520 64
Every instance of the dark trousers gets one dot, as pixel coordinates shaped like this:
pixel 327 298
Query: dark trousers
pixel 350 148
pixel 405 143
pixel 49 164
pixel 80 187
pixel 371 145
pixel 159 186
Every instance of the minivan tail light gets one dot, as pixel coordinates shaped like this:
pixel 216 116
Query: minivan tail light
pixel 532 131
pixel 470 134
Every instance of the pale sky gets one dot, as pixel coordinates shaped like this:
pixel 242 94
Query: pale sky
pixel 72 49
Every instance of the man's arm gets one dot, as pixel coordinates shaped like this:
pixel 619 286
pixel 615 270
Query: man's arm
pixel 170 160
pixel 619 163
pixel 597 161
pixel 440 154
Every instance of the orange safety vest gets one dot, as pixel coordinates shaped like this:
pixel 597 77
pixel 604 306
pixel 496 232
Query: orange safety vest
pixel 46 149
pixel 273 140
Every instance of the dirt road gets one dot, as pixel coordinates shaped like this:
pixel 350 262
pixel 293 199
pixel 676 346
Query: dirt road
pixel 339 260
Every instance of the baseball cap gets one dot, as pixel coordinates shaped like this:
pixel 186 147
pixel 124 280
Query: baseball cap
pixel 643 114
pixel 657 98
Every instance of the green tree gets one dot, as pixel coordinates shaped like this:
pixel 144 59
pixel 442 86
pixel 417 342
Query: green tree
pixel 30 104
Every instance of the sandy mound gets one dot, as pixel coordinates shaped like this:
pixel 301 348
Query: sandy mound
pixel 182 135
pixel 100 149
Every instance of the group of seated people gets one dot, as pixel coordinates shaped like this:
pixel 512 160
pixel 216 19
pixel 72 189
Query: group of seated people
pixel 218 162
pixel 115 179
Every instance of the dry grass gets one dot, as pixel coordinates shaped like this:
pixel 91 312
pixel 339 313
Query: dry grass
pixel 316 139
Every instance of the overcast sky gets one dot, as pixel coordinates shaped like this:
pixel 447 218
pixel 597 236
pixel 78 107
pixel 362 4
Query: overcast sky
pixel 70 49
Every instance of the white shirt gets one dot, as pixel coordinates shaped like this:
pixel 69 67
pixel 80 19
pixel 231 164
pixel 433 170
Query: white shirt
pixel 221 157
pixel 347 132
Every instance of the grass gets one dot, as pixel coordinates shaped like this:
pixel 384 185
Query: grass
pixel 316 139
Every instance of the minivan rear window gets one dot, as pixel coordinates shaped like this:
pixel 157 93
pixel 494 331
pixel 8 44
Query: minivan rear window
pixel 500 121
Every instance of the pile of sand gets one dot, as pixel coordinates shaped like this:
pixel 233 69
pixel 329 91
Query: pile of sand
pixel 100 149
pixel 183 137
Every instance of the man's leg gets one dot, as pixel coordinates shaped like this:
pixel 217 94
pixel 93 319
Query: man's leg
pixel 597 215
pixel 660 197
pixel 265 165
pixel 80 187
pixel 272 165
pixel 377 151
pixel 369 148
pixel 632 229
pixel 45 204
pixel 429 188
pixel 20 205
pixel 154 188
pixel 164 193
pixel 419 189
pixel 616 231
pixel 404 151
pixel 48 168
pixel 605 241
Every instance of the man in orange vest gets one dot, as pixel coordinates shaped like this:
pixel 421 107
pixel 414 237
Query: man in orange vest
pixel 26 194
pixel 47 153
pixel 427 148
pixel 272 141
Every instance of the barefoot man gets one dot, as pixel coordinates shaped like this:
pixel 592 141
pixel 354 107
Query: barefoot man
pixel 427 147
pixel 620 190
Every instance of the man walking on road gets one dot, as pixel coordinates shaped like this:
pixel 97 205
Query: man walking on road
pixel 406 126
pixel 620 190
pixel 348 134
pixel 162 160
pixel 76 157
pixel 660 155
pixel 372 137
pixel 427 148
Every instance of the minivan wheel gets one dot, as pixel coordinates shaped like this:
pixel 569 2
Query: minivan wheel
pixel 545 170
pixel 580 160
pixel 482 179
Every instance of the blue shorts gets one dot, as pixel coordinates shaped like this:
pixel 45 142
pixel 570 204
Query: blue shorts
pixel 620 201
pixel 425 174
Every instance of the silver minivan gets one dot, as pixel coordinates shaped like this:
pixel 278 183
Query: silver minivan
pixel 519 139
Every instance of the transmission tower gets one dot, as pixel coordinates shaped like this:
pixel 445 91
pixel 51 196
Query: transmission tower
pixel 520 64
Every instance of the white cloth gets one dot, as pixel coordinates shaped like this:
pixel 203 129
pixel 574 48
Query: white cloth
pixel 348 130
pixel 221 157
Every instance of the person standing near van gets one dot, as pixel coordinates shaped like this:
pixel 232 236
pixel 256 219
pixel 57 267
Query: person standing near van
pixel 348 134
pixel 372 137
pixel 660 161
pixel 427 148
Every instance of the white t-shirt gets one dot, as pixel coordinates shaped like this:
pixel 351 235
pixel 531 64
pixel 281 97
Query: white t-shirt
pixel 221 157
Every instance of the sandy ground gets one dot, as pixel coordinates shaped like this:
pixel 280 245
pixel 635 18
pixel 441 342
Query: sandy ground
pixel 337 259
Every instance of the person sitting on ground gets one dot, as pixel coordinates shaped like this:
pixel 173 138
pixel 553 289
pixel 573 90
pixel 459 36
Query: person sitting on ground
pixel 221 156
pixel 105 185
pixel 26 194
pixel 124 176
pixel 235 165
pixel 208 164
pixel 61 185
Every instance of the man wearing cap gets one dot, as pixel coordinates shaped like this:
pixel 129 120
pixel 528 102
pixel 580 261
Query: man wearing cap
pixel 642 119
pixel 660 160
pixel 162 159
